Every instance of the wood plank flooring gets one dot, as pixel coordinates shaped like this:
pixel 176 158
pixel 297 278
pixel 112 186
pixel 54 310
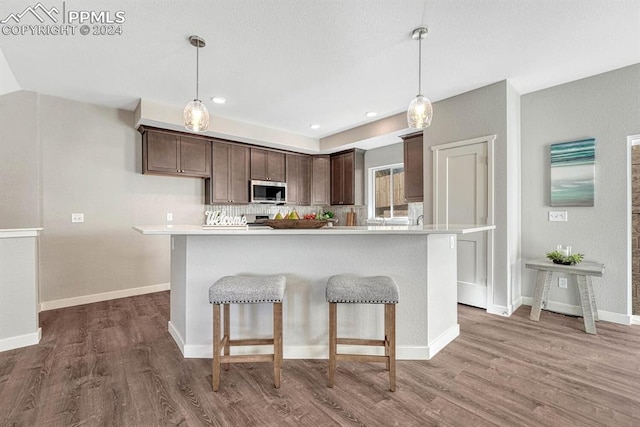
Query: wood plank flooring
pixel 114 364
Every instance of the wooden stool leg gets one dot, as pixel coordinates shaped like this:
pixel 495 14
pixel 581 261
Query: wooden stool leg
pixel 227 333
pixel 277 342
pixel 216 347
pixel 387 326
pixel 333 341
pixel 390 348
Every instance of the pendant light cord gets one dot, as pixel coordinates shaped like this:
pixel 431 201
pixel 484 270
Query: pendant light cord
pixel 198 71
pixel 420 65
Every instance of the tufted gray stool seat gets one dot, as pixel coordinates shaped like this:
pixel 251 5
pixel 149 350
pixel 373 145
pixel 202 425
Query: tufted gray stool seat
pixel 351 289
pixel 246 290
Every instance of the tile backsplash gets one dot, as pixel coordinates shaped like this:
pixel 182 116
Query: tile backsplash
pixel 340 212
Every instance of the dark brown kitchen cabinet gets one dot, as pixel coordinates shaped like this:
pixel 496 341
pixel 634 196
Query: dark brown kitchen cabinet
pixel 413 168
pixel 229 182
pixel 167 153
pixel 347 178
pixel 321 180
pixel 267 165
pixel 298 179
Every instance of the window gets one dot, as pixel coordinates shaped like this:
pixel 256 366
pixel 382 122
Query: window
pixel 386 197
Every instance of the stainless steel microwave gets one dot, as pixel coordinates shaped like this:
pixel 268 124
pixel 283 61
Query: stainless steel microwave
pixel 269 192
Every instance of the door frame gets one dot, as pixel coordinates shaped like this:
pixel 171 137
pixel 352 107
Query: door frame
pixel 631 141
pixel 490 141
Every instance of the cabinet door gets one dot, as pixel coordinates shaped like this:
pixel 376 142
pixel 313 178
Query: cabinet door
pixel 348 178
pixel 219 185
pixel 304 180
pixel 267 165
pixel 239 173
pixel 321 180
pixel 161 153
pixel 298 179
pixel 258 164
pixel 292 179
pixel 337 195
pixel 195 157
pixel 275 166
pixel 413 169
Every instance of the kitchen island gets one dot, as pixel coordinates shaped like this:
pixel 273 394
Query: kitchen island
pixel 422 259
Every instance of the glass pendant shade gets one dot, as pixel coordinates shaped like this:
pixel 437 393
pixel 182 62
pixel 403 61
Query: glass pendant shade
pixel 196 116
pixel 419 113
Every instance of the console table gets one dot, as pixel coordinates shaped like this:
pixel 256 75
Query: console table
pixel 583 273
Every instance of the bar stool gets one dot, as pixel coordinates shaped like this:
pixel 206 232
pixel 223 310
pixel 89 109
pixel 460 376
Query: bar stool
pixel 246 290
pixel 363 290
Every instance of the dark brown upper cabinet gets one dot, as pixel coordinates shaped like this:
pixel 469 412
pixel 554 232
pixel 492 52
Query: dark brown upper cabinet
pixel 347 178
pixel 169 153
pixel 413 168
pixel 321 180
pixel 298 179
pixel 229 182
pixel 267 165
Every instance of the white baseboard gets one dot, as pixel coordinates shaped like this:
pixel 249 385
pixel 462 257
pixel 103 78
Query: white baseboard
pixel 575 310
pixel 440 342
pixel 635 320
pixel 320 351
pixel 105 296
pixel 21 341
pixel 502 310
pixel 180 341
pixel 304 352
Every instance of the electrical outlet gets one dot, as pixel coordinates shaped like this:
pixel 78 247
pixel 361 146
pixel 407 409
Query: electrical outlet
pixel 77 217
pixel 562 282
pixel 169 217
pixel 558 216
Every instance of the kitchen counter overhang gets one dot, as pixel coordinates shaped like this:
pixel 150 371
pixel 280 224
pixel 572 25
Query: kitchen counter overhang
pixel 422 260
pixel 197 230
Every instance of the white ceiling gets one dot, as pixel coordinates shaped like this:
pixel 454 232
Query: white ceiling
pixel 285 64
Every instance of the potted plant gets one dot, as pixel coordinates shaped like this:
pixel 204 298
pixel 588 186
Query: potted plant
pixel 559 258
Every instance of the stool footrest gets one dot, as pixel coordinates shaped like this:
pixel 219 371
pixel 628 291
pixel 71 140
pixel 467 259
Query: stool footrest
pixel 257 341
pixel 361 358
pixel 246 358
pixel 360 341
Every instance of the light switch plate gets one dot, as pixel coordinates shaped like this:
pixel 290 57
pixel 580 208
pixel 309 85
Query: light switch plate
pixel 562 282
pixel 558 216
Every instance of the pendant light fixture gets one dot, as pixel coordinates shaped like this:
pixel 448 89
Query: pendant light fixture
pixel 420 110
pixel 196 115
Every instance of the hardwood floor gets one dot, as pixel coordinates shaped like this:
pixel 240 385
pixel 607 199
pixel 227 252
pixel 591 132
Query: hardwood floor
pixel 114 364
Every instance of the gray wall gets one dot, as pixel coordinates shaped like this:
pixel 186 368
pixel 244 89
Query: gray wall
pixel 470 115
pixel 91 163
pixel 78 157
pixel 607 108
pixel 19 161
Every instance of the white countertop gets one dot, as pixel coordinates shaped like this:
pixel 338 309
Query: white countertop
pixel 259 231
pixel 8 233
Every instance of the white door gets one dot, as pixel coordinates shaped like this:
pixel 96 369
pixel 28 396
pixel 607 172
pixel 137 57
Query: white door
pixel 461 196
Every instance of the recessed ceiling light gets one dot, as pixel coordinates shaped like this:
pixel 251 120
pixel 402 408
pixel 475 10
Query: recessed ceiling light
pixel 219 99
pixel 314 126
pixel 371 114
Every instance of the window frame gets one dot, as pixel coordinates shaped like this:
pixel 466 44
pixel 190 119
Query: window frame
pixel 371 196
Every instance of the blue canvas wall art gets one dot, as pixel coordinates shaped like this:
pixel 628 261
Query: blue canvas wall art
pixel 573 173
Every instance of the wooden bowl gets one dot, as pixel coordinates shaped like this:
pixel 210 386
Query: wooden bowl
pixel 295 223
